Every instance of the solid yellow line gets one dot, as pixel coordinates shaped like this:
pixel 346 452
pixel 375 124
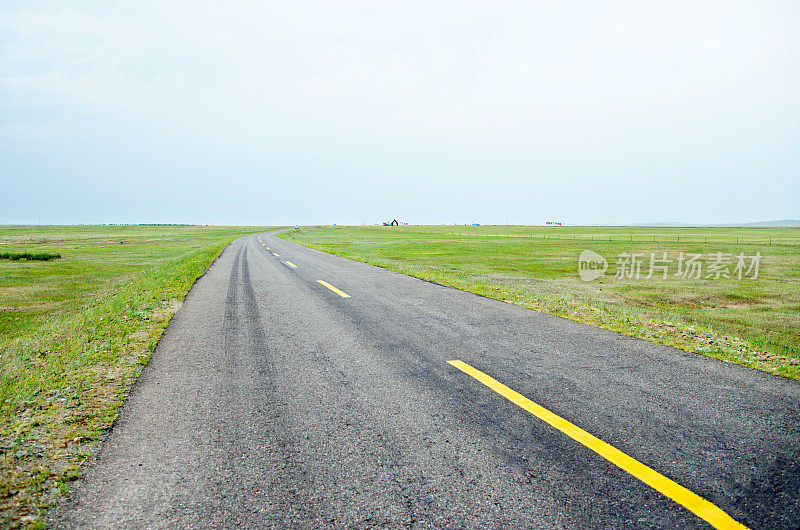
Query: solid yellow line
pixel 689 500
pixel 292 265
pixel 334 289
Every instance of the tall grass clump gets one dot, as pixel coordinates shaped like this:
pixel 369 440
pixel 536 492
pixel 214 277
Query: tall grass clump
pixel 30 256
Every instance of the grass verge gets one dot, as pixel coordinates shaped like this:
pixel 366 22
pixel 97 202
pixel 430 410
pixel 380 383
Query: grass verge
pixel 75 335
pixel 749 321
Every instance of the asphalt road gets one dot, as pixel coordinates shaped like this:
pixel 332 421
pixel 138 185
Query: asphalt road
pixel 272 400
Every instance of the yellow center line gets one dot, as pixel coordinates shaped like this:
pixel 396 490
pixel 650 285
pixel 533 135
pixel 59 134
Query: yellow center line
pixel 275 254
pixel 334 289
pixel 689 500
pixel 292 265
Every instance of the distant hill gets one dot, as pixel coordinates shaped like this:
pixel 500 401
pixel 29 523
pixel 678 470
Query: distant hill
pixel 782 222
pixel 764 224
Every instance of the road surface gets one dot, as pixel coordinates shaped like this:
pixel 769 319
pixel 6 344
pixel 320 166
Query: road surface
pixel 300 389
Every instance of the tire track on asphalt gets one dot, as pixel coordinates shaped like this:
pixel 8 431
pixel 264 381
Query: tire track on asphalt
pixel 268 466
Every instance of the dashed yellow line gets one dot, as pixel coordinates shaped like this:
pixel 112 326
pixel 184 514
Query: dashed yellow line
pixel 265 246
pixel 334 289
pixel 290 264
pixel 275 254
pixel 688 499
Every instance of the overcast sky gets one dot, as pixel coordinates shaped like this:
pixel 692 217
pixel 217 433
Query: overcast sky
pixel 430 112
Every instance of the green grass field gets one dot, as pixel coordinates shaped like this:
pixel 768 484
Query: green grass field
pixel 750 321
pixel 74 334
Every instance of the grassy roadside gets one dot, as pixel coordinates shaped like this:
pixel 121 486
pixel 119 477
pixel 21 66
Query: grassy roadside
pixel 74 334
pixel 750 321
